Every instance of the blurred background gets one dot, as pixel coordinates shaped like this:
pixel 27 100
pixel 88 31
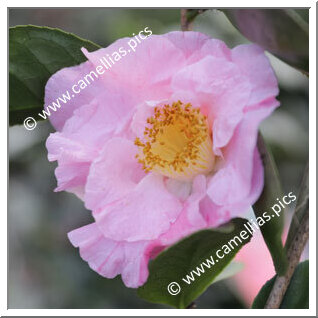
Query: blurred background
pixel 45 271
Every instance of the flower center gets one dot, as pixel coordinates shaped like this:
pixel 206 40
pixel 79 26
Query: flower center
pixel 176 142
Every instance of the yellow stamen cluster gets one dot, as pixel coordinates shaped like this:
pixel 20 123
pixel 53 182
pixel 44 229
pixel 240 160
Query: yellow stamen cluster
pixel 176 142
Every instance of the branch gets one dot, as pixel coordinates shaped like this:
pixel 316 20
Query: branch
pixel 192 306
pixel 295 244
pixel 185 25
pixel 188 16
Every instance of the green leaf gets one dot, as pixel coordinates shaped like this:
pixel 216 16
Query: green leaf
pixel 283 32
pixel 297 294
pixel 271 230
pixel 179 260
pixel 35 53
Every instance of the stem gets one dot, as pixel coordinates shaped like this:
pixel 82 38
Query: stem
pixel 295 247
pixel 188 16
pixel 281 283
pixel 192 306
pixel 185 25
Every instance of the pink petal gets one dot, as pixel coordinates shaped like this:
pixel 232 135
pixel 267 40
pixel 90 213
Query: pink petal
pixel 232 182
pixel 60 83
pixel 217 214
pixel 143 214
pixel 211 47
pixel 222 91
pixel 196 45
pixel 142 71
pixel 143 112
pixel 216 48
pixel 84 134
pixel 190 219
pixel 110 258
pixel 188 42
pixel 180 189
pixel 255 65
pixel 113 174
pixel 73 162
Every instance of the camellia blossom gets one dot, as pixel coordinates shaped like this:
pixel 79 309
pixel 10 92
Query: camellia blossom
pixel 161 145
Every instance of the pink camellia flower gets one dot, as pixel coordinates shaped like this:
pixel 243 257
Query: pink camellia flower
pixel 161 145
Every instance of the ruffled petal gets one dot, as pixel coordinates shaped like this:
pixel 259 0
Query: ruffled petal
pixel 254 64
pixel 60 83
pixel 190 219
pixel 215 214
pixel 143 112
pixel 73 162
pixel 126 204
pixel 147 71
pixel 233 182
pixel 143 214
pixel 188 42
pixel 84 134
pixel 110 258
pixel 113 174
pixel 222 92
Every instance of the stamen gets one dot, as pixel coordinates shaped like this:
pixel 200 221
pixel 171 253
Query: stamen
pixel 177 142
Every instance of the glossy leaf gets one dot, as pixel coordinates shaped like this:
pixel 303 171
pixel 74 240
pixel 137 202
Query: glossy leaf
pixel 282 32
pixel 297 294
pixel 179 260
pixel 35 53
pixel 271 230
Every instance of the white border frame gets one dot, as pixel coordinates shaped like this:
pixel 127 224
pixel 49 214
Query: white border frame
pixel 312 163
